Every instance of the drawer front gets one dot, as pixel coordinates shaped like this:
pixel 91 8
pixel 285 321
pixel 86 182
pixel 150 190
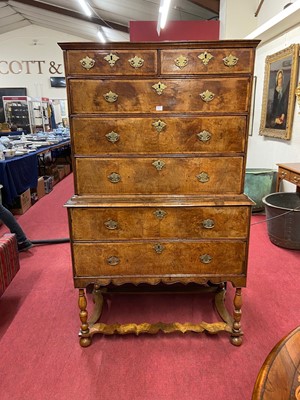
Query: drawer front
pixel 207 61
pixel 111 62
pixel 159 258
pixel 294 178
pixel 95 136
pixel 175 175
pixel 164 95
pixel 284 174
pixel 154 222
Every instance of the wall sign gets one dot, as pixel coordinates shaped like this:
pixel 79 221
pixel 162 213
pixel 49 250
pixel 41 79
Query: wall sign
pixel 30 67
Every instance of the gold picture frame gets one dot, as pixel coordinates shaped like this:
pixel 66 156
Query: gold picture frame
pixel 281 73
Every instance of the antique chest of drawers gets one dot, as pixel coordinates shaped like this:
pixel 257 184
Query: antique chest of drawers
pixel 159 141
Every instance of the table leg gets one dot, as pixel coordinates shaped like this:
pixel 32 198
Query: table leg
pixel 237 334
pixel 84 329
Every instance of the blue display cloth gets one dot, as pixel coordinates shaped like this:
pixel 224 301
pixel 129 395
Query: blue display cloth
pixel 21 172
pixel 17 175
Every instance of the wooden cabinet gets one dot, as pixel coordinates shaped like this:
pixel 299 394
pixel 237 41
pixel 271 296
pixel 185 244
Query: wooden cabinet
pixel 159 139
pixel 288 172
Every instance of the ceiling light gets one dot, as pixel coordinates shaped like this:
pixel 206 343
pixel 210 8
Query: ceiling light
pixel 86 8
pixel 163 14
pixel 101 36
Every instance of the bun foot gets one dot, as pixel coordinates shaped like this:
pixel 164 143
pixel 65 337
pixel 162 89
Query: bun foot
pixel 85 341
pixel 236 340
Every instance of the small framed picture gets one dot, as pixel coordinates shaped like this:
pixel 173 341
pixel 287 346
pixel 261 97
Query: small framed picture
pixel 281 73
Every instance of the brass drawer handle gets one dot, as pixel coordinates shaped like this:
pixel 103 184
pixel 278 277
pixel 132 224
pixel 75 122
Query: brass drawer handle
pixel 283 174
pixel 205 258
pixel 208 223
pixel 111 59
pixel 111 224
pixel 160 214
pixel 203 177
pixel 159 248
pixel 296 179
pixel 159 125
pixel 181 61
pixel 136 62
pixel 207 96
pixel 158 164
pixel 112 137
pixel 204 136
pixel 110 97
pixel 159 87
pixel 205 57
pixel 113 260
pixel 87 63
pixel 230 61
pixel 114 177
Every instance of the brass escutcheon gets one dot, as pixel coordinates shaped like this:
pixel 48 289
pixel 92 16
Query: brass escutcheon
pixel 159 87
pixel 160 214
pixel 205 57
pixel 114 177
pixel 208 223
pixel 205 258
pixel 111 59
pixel 230 61
pixel 159 125
pixel 204 136
pixel 87 62
pixel 110 97
pixel 203 177
pixel 136 62
pixel 181 61
pixel 158 164
pixel 159 248
pixel 112 137
pixel 111 224
pixel 207 96
pixel 113 260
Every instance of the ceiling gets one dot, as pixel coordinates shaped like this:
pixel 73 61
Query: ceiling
pixel 112 16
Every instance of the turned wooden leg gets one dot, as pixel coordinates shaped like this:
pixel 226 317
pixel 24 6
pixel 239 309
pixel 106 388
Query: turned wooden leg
pixel 84 329
pixel 237 334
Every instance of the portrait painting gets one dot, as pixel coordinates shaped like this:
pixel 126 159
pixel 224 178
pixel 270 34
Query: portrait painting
pixel 280 81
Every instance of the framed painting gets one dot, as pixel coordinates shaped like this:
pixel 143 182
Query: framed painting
pixel 281 73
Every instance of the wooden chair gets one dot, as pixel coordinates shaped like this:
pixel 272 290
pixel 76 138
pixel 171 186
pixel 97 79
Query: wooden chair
pixel 279 376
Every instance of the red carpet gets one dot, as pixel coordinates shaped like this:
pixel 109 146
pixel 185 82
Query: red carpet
pixel 41 358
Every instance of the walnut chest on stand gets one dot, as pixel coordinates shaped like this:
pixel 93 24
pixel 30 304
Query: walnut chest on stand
pixel 159 138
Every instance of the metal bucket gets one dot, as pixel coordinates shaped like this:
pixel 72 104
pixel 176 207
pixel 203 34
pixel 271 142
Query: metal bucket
pixel 258 183
pixel 283 219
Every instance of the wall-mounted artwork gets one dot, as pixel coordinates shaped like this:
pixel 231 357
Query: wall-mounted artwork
pixel 281 73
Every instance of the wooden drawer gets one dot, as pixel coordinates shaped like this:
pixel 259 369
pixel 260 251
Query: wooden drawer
pixel 153 222
pixel 284 174
pixel 96 136
pixel 231 95
pixel 153 258
pixel 207 61
pixel 173 175
pixel 294 178
pixel 111 62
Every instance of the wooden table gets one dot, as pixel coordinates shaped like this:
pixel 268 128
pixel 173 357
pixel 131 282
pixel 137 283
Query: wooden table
pixel 289 172
pixel 279 377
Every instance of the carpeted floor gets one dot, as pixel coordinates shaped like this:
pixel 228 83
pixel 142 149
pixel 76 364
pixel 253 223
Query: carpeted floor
pixel 41 358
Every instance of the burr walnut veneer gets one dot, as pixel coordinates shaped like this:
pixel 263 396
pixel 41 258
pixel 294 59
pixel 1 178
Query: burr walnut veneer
pixel 159 139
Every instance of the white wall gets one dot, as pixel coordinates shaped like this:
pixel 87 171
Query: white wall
pixel 237 18
pixel 18 46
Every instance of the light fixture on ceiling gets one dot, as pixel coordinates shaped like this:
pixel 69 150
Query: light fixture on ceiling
pixel 86 7
pixel 162 14
pixel 101 36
